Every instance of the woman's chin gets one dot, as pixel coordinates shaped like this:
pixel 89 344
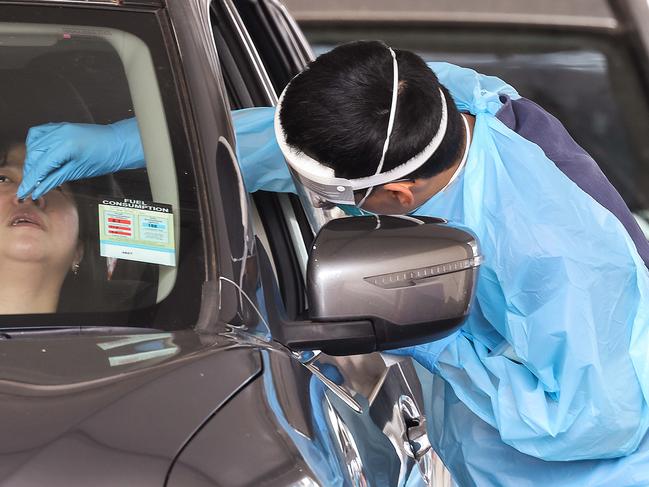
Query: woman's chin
pixel 48 257
pixel 27 250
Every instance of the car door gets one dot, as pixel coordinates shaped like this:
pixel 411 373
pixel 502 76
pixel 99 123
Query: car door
pixel 252 36
pixel 104 384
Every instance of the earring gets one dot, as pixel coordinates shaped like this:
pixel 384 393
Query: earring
pixel 75 268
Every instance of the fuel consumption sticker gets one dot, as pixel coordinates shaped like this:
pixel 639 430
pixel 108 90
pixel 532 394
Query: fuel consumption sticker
pixel 136 230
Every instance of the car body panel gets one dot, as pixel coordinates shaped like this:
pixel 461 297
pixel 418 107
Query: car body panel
pixel 308 437
pixel 110 409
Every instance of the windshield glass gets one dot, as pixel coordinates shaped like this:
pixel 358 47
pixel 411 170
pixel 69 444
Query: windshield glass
pixel 98 211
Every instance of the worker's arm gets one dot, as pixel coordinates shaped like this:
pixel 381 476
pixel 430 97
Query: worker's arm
pixel 61 152
pixel 260 158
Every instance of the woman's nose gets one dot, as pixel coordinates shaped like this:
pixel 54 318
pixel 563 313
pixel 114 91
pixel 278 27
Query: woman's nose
pixel 38 202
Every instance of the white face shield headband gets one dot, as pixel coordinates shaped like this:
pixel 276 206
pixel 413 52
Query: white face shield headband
pixel 321 179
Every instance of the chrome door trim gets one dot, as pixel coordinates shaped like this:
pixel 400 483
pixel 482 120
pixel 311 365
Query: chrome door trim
pixel 251 51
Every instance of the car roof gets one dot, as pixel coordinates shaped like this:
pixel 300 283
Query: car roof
pixel 154 3
pixel 594 13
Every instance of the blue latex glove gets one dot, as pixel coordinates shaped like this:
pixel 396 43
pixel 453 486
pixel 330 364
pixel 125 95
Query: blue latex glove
pixel 427 353
pixel 61 152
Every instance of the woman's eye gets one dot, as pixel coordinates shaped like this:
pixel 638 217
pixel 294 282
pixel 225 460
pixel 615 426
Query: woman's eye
pixel 4 179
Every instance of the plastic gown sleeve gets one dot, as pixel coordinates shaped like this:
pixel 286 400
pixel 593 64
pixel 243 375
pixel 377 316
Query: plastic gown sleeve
pixel 260 158
pixel 554 352
pixel 427 354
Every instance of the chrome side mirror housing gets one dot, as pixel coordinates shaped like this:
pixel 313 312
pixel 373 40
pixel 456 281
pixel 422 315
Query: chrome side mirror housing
pixel 384 282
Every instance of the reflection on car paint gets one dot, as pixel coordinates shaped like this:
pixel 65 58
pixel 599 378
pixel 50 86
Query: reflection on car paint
pixel 147 347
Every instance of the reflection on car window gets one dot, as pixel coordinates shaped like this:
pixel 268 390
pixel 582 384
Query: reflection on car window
pixel 106 244
pixel 589 83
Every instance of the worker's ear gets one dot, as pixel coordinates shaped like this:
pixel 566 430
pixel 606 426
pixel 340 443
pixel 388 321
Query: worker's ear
pixel 402 192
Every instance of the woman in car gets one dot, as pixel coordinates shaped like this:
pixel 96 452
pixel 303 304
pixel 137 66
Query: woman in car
pixel 39 241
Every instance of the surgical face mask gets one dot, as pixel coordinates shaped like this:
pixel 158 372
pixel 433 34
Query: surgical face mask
pixel 353 210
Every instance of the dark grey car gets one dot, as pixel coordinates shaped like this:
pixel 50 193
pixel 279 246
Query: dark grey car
pixel 185 352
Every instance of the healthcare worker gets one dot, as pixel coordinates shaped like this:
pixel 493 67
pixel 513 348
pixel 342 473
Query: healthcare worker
pixel 547 382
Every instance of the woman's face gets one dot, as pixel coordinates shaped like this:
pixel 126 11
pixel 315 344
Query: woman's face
pixel 44 231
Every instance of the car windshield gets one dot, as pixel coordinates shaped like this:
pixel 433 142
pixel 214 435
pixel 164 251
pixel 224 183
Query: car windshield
pixel 115 237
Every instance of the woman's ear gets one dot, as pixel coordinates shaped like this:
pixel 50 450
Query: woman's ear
pixel 401 192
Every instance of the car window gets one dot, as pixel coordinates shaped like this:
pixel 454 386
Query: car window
pixel 122 248
pixel 590 82
pixel 275 39
pixel 273 215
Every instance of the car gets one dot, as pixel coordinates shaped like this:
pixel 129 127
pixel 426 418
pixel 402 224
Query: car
pixel 188 338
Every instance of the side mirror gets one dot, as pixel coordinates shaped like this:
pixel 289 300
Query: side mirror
pixel 377 283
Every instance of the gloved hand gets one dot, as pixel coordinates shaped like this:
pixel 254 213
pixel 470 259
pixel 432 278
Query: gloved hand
pixel 61 152
pixel 427 353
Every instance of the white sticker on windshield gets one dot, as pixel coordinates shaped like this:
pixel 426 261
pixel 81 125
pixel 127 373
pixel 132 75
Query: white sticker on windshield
pixel 137 230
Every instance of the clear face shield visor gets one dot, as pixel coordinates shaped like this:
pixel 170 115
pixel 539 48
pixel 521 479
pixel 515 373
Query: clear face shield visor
pixel 319 183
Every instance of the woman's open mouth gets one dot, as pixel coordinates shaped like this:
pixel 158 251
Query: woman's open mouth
pixel 25 220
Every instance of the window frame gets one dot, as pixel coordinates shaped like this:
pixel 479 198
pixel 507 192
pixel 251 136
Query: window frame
pixel 250 83
pixel 180 309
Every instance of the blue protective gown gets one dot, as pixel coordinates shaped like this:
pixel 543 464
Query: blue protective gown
pixel 551 367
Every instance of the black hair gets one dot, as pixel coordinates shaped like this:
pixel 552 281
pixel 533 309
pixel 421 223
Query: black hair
pixel 337 111
pixel 4 153
pixel 8 138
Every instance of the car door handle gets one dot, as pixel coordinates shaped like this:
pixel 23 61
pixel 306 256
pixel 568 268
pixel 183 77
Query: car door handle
pixel 416 442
